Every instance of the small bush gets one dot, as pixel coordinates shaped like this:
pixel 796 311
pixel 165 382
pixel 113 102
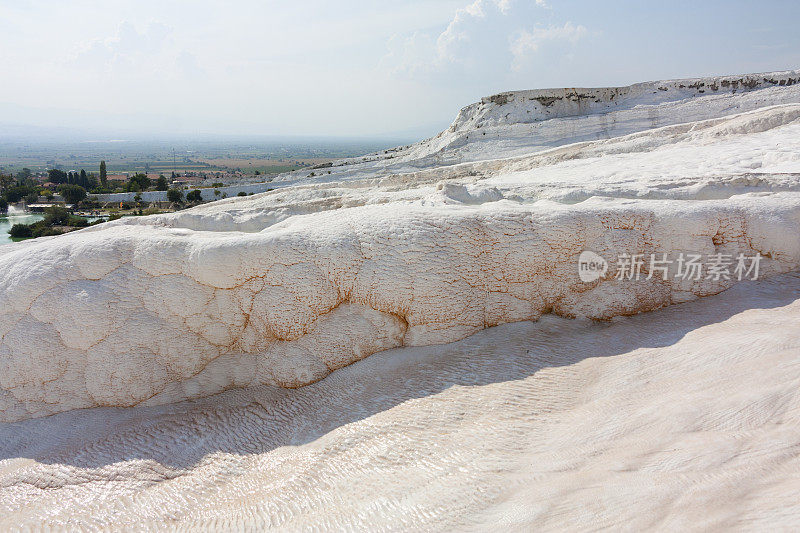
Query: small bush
pixel 175 196
pixel 20 231
pixel 194 197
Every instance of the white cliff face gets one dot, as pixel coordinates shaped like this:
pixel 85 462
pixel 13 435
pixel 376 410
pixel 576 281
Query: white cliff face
pixel 286 287
pixel 521 107
pixel 523 122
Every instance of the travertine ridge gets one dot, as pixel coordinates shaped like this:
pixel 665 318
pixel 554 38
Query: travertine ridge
pixel 286 287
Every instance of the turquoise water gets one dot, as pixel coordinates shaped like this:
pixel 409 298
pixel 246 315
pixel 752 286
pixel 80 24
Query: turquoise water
pixel 15 217
pixel 20 217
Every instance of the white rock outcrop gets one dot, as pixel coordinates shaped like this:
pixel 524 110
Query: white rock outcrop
pixel 285 287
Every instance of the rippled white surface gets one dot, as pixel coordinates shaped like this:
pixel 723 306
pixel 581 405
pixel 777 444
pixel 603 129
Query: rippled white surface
pixel 685 418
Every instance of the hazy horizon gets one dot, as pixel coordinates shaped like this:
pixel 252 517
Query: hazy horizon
pixel 394 70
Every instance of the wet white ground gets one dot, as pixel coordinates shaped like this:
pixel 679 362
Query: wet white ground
pixel 684 418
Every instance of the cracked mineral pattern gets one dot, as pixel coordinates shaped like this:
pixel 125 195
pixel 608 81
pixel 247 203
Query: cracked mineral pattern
pixel 681 416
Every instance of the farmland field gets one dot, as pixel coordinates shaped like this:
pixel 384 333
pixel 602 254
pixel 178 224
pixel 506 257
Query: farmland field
pixel 163 157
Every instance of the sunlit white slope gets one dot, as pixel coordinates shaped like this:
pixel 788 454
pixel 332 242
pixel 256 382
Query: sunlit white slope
pixel 289 286
pixel 435 288
pixel 752 152
pixel 687 418
pixel 523 122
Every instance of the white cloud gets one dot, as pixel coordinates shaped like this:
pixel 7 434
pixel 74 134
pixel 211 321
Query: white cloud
pixel 476 41
pixel 277 67
pixel 409 54
pixel 526 43
pixel 460 28
pixel 127 45
pixel 187 64
pixel 134 53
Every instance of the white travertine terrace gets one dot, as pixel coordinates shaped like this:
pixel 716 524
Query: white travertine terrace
pixel 386 277
pixel 288 286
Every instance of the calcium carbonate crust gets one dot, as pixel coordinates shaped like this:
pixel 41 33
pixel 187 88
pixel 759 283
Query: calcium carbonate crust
pixel 285 287
pixel 130 315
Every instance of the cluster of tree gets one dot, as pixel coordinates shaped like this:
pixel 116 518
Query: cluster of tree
pixel 16 188
pixel 22 187
pixel 74 187
pixel 194 197
pixel 72 194
pixel 68 181
pixel 82 179
pixel 175 196
pixel 57 220
pixel 140 182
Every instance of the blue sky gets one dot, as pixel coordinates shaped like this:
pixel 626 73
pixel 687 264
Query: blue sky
pixel 353 68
